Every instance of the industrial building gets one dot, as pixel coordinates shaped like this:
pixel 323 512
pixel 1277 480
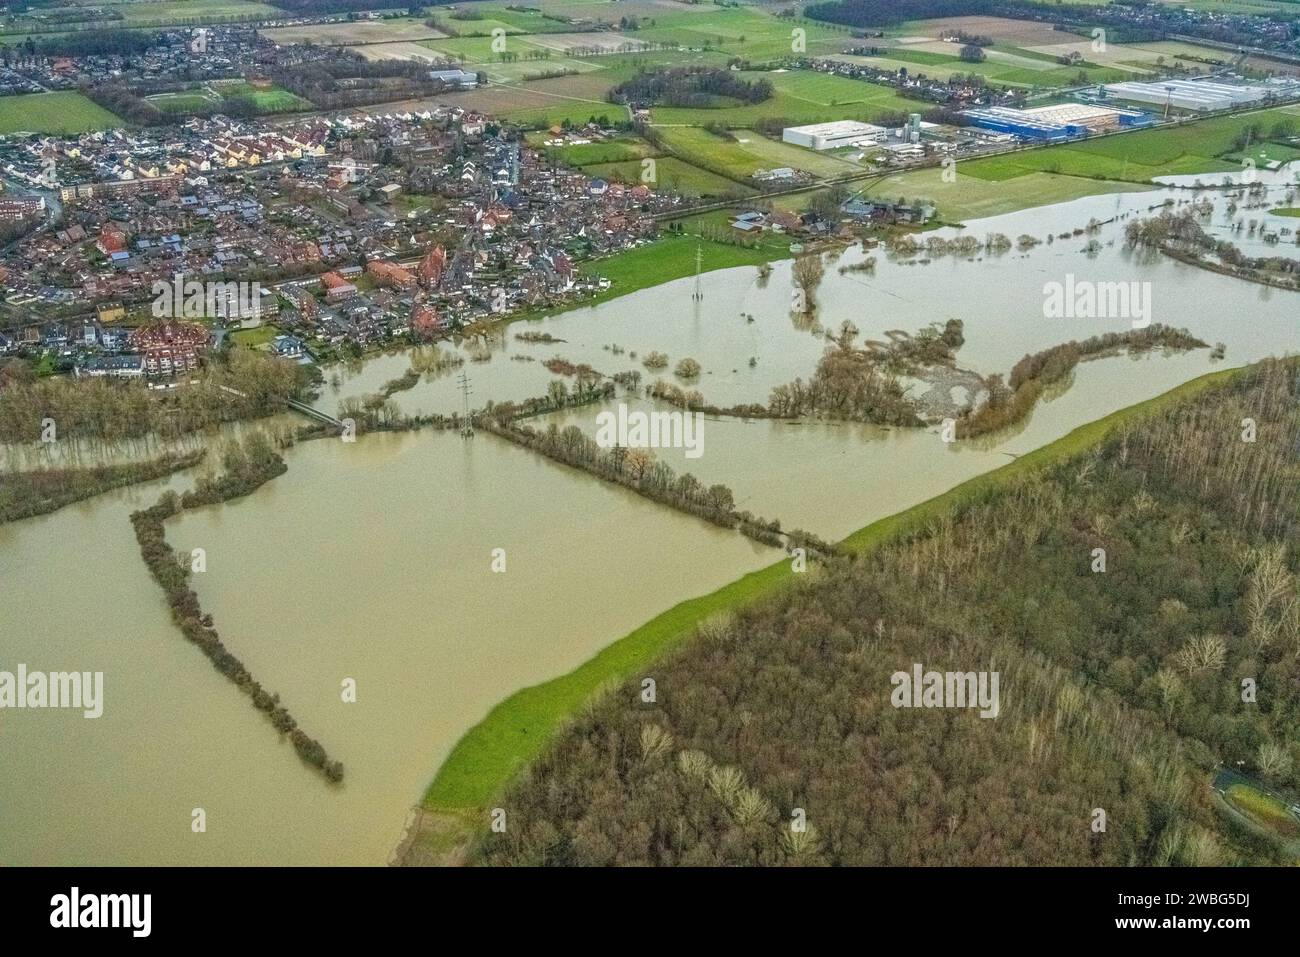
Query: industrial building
pixel 1097 119
pixel 1054 124
pixel 1198 95
pixel 1020 123
pixel 829 136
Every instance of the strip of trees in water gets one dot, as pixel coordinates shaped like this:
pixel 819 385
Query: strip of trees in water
pixel 1010 402
pixel 245 468
pixel 774 738
pixel 31 492
pixel 639 470
pixel 1181 236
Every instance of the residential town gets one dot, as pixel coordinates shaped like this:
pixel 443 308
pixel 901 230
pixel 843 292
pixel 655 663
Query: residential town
pixel 357 231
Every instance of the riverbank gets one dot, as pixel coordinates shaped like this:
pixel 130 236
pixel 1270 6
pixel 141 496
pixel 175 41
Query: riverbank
pixel 514 732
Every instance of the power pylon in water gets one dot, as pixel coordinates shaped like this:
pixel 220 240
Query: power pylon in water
pixel 467 430
pixel 699 268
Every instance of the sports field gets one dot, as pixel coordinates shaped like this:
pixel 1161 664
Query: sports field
pixel 271 100
pixel 61 112
pixel 183 102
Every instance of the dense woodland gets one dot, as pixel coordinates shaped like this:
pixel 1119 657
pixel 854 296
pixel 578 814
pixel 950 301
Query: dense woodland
pixel 689 87
pixel 103 411
pixel 1120 689
pixel 351 81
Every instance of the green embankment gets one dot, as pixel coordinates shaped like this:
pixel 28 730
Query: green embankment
pixel 514 732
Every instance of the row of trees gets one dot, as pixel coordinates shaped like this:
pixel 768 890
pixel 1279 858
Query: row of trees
pixel 39 491
pixel 245 468
pixel 1009 403
pixel 1180 234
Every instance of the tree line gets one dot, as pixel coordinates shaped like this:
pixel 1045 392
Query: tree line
pixel 30 492
pixel 1012 401
pixel 246 467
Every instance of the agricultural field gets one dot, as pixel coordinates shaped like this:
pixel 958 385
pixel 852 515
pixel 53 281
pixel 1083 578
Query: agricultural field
pixel 1027 54
pixel 185 11
pixel 1202 147
pixel 361 32
pixel 61 112
pixel 1007 70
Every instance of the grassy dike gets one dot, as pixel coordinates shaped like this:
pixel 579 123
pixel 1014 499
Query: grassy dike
pixel 485 760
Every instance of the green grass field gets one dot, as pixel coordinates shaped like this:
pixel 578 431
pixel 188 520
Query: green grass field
pixel 514 732
pixel 273 100
pixel 182 102
pixel 971 197
pixel 135 13
pixel 619 150
pixel 671 175
pixel 256 338
pixel 748 153
pixel 1293 211
pixel 61 112
pixel 185 11
pixel 1264 810
pixel 673 257
pixel 801 96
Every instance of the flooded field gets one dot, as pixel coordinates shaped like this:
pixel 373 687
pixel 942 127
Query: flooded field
pixel 372 560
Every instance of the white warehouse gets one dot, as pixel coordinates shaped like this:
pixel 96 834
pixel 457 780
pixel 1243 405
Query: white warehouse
pixel 829 136
pixel 1196 95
